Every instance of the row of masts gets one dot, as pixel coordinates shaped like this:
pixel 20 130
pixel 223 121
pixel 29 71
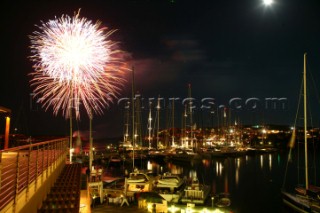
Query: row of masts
pixel 154 137
pixel 186 136
pixel 136 138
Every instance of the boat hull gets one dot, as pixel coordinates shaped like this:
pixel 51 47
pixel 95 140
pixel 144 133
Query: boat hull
pixel 196 196
pixel 297 203
pixel 172 197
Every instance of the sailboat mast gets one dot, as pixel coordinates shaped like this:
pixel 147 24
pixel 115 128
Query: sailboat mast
pixel 91 158
pixel 191 122
pixel 305 118
pixel 149 125
pixel 173 144
pixel 126 133
pixel 133 120
pixel 184 142
pixel 158 121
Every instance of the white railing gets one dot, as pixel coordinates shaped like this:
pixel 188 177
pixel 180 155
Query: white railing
pixel 22 167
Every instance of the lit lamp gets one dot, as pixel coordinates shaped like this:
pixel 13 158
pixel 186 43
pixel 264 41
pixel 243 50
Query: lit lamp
pixel 91 157
pixel 6 137
pixel 173 209
pixel 212 200
pixel 7 130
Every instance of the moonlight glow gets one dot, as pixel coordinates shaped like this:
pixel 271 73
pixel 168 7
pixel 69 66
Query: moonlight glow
pixel 267 2
pixel 74 60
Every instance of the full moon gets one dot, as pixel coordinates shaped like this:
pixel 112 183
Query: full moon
pixel 267 2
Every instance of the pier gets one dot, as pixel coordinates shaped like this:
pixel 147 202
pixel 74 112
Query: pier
pixel 35 177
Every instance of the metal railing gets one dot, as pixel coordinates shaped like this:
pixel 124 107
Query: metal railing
pixel 22 166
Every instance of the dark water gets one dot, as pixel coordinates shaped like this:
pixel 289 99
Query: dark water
pixel 253 182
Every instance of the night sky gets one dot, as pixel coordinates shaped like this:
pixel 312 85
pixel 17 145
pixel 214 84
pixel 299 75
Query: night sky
pixel 225 49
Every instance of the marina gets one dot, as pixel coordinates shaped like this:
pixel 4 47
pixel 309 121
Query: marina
pixel 172 106
pixel 231 181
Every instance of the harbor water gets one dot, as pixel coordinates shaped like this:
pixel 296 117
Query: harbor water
pixel 253 182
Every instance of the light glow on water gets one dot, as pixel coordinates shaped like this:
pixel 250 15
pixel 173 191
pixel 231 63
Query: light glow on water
pixel 270 162
pixel 261 161
pixel 240 177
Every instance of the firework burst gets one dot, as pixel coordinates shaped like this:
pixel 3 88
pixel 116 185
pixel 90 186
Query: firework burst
pixel 75 62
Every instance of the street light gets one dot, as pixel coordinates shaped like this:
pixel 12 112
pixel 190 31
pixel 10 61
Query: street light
pixel 7 130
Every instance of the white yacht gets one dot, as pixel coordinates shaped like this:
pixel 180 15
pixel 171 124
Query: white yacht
pixel 170 187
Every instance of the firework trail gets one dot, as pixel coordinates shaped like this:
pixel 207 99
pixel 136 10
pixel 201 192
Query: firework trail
pixel 75 62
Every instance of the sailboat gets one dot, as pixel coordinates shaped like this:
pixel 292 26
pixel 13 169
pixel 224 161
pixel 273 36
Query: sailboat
pixel 306 198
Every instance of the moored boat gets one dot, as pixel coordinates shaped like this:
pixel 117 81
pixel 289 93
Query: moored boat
pixel 139 181
pixel 195 192
pixel 306 198
pixel 183 155
pixel 170 187
pixel 223 200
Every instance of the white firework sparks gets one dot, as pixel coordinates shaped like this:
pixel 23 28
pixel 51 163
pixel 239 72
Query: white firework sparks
pixel 74 60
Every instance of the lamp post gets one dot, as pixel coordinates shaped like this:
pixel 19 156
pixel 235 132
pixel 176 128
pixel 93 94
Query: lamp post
pixel 71 135
pixel 212 199
pixel 90 140
pixel 7 130
pixel 6 138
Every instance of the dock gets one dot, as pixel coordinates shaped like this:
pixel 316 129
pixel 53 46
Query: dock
pixel 104 208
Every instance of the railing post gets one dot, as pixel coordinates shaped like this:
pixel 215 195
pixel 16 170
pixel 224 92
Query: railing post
pixel 55 154
pixel 16 183
pixel 0 169
pixel 42 164
pixel 37 169
pixel 47 167
pixel 28 179
pixel 49 159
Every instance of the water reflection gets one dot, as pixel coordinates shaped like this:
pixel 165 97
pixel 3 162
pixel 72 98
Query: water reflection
pixel 270 162
pixel 193 174
pixel 248 179
pixel 237 170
